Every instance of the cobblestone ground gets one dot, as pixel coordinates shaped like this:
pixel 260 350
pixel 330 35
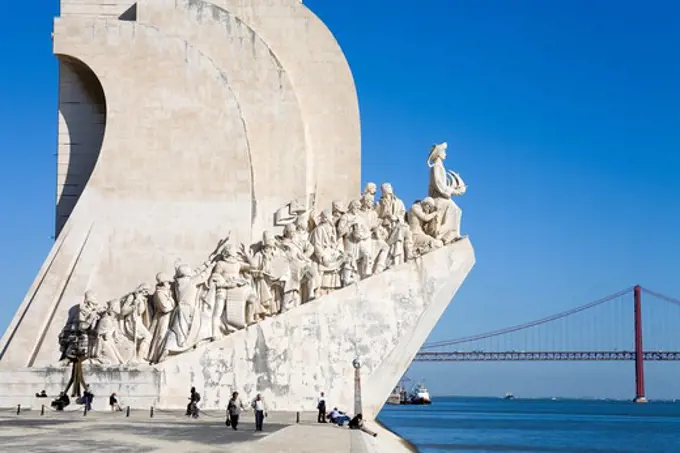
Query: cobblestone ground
pixel 166 432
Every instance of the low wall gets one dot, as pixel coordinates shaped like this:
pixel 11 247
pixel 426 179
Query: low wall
pixel 138 388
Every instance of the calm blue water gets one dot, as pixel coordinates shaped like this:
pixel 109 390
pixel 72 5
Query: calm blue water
pixel 478 425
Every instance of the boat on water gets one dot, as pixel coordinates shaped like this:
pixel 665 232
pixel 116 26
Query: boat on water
pixel 419 395
pixel 509 396
pixel 397 395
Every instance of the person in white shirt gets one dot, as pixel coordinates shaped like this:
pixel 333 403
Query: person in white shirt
pixel 334 415
pixel 260 412
pixel 321 406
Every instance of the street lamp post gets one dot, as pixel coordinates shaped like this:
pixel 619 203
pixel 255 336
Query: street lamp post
pixel 356 363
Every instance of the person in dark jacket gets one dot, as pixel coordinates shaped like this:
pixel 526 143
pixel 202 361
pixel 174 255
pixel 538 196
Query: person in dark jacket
pixel 321 407
pixel 113 402
pixel 234 408
pixel 192 407
pixel 88 397
pixel 61 401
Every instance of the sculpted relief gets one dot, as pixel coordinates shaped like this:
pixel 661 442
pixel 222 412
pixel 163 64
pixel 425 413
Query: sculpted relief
pixel 240 286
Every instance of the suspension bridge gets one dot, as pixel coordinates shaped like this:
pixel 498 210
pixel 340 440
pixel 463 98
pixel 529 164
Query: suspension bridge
pixel 610 328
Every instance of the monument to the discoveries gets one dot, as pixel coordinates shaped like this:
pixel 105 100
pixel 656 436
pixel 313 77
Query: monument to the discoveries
pixel 211 227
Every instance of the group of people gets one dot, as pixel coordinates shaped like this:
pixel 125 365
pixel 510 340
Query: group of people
pixel 234 409
pixel 316 254
pixel 335 416
pixel 63 400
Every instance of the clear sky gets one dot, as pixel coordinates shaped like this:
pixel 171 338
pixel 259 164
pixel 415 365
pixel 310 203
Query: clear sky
pixel 563 117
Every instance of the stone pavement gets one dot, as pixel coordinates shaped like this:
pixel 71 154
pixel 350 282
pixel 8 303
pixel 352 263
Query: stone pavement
pixel 170 432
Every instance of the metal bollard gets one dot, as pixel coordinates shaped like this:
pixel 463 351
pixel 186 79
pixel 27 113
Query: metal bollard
pixel 18 409
pixel 127 414
pixel 42 410
pixel 151 412
pixel 297 417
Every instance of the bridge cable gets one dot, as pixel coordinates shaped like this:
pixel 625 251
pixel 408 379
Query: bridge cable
pixel 515 328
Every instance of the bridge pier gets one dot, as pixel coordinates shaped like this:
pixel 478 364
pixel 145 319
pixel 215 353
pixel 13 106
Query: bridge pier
pixel 639 355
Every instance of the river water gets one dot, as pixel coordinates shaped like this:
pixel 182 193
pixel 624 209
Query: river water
pixel 479 425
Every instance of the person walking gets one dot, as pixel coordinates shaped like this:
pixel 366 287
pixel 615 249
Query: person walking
pixel 192 407
pixel 87 399
pixel 321 406
pixel 234 408
pixel 260 412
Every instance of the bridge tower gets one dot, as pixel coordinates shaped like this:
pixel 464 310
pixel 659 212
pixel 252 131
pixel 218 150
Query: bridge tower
pixel 639 357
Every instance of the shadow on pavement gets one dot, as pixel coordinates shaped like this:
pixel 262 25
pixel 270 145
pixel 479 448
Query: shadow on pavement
pixel 205 433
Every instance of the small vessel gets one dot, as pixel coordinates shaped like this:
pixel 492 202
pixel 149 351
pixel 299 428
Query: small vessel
pixel 509 396
pixel 419 395
pixel 399 395
pixel 396 395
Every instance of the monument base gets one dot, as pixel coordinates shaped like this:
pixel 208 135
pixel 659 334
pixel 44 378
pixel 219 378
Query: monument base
pixel 289 359
pixel 136 387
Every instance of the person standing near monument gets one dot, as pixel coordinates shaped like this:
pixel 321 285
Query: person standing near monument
pixel 114 403
pixel 192 407
pixel 234 408
pixel 321 406
pixel 260 412
pixel 87 399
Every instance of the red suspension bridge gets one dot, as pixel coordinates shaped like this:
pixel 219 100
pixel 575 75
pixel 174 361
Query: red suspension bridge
pixel 607 329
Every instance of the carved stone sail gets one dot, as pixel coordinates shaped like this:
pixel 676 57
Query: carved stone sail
pixel 217 119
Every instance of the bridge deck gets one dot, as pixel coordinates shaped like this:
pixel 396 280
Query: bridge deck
pixel 457 356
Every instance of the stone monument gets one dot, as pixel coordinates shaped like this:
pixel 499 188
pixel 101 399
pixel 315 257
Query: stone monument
pixel 211 229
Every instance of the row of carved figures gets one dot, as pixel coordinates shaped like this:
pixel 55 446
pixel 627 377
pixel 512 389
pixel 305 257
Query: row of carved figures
pixel 234 287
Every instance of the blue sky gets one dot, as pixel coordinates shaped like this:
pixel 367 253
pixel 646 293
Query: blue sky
pixel 563 118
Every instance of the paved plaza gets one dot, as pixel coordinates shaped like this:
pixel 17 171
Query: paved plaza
pixel 167 432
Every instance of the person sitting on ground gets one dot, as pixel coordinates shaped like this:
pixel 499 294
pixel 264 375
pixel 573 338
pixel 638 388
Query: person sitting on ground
pixel 42 394
pixel 192 407
pixel 342 418
pixel 338 417
pixel 357 422
pixel 61 401
pixel 113 402
pixel 332 415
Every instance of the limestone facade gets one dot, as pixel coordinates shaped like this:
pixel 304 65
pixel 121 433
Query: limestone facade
pixel 178 122
pixel 230 126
